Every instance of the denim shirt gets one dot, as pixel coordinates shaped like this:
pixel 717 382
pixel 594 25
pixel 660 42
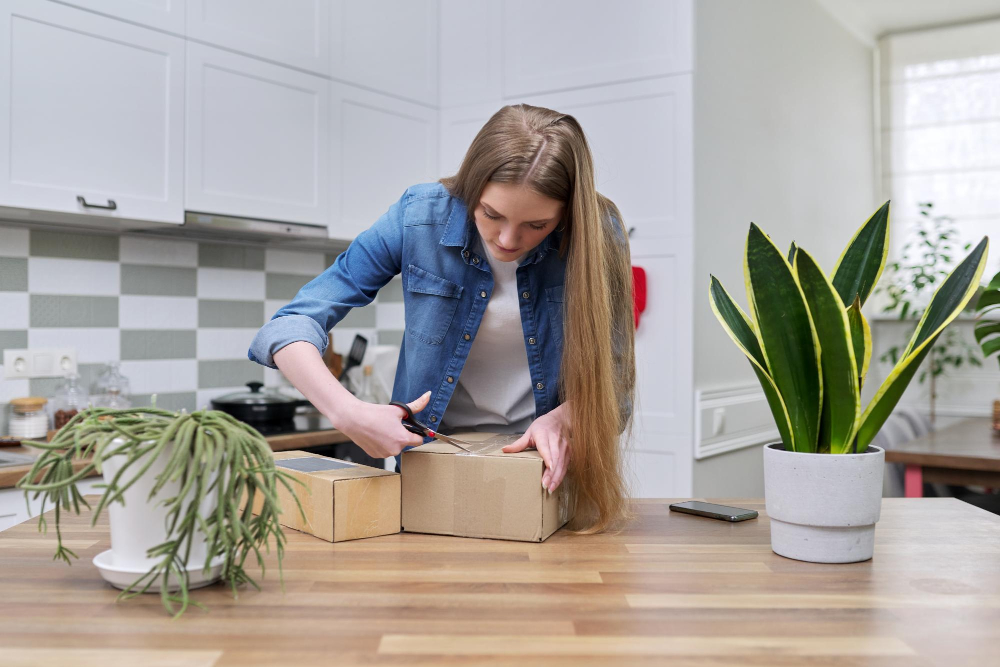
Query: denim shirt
pixel 427 236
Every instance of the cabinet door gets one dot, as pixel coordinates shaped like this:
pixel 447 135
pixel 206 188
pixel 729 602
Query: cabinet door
pixel 388 45
pixel 162 14
pixel 91 110
pixel 381 146
pixel 257 138
pixel 291 32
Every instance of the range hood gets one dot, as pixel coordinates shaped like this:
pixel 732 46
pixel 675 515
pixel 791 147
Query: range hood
pixel 197 226
pixel 218 227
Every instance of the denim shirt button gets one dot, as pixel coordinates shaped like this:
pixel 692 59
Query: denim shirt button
pixel 526 294
pixel 450 379
pixel 466 336
pixel 434 419
pixel 531 341
pixel 483 294
pixel 475 260
pixel 540 386
pixel 465 254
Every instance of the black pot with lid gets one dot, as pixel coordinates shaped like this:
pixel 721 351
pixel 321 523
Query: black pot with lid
pixel 257 407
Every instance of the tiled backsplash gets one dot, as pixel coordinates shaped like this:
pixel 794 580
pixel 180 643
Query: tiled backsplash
pixel 179 315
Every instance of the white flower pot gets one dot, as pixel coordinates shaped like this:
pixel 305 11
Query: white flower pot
pixel 823 507
pixel 140 524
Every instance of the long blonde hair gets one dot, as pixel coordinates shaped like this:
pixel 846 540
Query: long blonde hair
pixel 548 152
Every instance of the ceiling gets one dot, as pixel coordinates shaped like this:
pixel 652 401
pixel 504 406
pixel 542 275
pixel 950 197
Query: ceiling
pixel 870 19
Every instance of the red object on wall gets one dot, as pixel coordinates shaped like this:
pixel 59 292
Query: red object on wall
pixel 638 292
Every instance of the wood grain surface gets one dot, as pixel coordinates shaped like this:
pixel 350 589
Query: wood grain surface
pixel 9 475
pixel 671 589
pixel 970 444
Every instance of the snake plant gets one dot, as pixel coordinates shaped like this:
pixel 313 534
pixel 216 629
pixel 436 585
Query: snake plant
pixel 810 345
pixel 988 331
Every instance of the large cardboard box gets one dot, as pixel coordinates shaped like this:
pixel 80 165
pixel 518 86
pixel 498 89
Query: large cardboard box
pixel 341 500
pixel 485 493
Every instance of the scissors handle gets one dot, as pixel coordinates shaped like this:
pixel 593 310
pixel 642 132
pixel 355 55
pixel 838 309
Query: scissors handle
pixel 411 424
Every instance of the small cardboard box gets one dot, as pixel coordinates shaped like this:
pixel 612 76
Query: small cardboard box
pixel 341 500
pixel 485 493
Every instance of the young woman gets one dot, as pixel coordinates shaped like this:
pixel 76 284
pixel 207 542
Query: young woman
pixel 518 307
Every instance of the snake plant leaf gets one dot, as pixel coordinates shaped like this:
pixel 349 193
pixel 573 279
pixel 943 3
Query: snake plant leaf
pixel 788 339
pixel 841 392
pixel 737 325
pixel 862 262
pixel 861 337
pixel 947 302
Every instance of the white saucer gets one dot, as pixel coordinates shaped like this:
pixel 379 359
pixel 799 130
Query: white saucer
pixel 122 577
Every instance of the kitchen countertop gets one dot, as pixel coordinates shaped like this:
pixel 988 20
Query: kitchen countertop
pixel 671 586
pixel 9 475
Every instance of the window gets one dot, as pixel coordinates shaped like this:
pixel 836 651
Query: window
pixel 941 129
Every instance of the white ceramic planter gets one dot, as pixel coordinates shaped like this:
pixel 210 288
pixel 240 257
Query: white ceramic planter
pixel 823 507
pixel 140 523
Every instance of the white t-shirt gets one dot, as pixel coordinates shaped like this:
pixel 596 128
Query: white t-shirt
pixel 494 389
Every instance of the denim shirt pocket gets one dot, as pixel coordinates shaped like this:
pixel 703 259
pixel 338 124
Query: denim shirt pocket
pixel 554 302
pixel 432 302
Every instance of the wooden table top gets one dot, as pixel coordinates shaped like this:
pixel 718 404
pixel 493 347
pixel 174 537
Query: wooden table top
pixel 9 475
pixel 966 445
pixel 672 587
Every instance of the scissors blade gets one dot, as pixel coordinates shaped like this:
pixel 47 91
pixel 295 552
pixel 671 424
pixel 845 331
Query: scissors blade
pixel 453 441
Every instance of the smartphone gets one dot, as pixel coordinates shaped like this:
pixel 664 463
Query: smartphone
pixel 712 511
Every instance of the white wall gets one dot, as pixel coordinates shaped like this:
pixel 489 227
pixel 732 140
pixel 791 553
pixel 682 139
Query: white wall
pixel 783 137
pixel 623 70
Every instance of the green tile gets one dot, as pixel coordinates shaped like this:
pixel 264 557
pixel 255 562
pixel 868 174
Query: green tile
pixel 158 344
pixel 221 314
pixel 47 386
pixel 284 285
pixel 225 256
pixel 13 274
pixel 12 339
pixel 359 318
pixel 390 337
pixel 182 400
pixel 44 243
pixel 228 373
pixel 392 292
pixel 159 280
pixel 48 310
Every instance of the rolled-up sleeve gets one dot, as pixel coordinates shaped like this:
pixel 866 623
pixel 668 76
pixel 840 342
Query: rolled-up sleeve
pixel 352 281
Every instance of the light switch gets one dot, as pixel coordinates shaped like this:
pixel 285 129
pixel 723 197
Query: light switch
pixel 718 421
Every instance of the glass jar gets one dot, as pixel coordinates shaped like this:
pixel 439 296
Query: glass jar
pixel 28 418
pixel 70 398
pixel 111 389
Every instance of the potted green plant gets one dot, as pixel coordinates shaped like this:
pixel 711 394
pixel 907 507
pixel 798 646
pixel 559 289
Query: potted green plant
pixel 810 346
pixel 179 489
pixel 987 331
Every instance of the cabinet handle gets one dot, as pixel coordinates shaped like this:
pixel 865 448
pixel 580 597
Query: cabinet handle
pixel 110 206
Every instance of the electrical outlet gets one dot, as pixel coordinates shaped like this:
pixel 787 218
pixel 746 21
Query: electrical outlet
pixel 40 363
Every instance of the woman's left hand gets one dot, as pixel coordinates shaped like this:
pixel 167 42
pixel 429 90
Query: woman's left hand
pixel 549 434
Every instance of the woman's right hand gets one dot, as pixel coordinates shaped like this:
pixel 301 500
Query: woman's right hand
pixel 378 429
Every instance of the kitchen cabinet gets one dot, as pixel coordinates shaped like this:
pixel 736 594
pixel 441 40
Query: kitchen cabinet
pixel 388 45
pixel 91 114
pixel 380 146
pixel 257 138
pixel 14 509
pixel 167 15
pixel 290 32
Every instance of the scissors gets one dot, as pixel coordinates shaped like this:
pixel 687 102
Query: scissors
pixel 413 426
